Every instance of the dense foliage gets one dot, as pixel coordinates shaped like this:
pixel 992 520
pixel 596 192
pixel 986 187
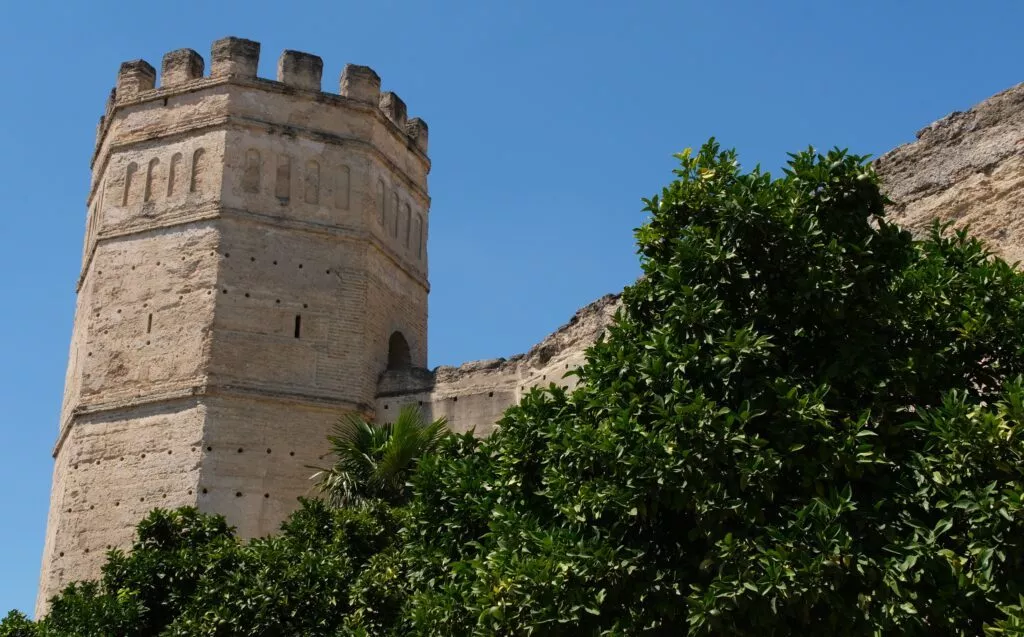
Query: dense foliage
pixel 802 422
pixel 374 461
pixel 187 574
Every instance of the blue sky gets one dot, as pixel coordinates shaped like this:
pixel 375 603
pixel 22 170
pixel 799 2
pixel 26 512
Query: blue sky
pixel 549 120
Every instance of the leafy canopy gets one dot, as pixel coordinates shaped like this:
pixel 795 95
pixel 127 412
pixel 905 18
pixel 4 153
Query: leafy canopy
pixel 188 575
pixel 803 421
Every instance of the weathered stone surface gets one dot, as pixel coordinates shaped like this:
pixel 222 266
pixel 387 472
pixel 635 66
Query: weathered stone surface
pixel 360 83
pixel 180 66
pixel 394 108
pixel 301 70
pixel 234 56
pixel 474 395
pixel 252 253
pixel 134 77
pixel 967 168
pixel 416 129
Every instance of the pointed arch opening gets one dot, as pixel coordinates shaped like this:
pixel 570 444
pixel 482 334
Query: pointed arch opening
pixel 398 352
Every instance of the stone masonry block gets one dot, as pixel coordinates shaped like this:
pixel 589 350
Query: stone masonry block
pixel 234 56
pixel 133 78
pixel 180 66
pixel 416 129
pixel 394 108
pixel 360 83
pixel 301 70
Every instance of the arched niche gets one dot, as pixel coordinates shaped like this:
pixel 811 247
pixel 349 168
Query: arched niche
pixel 398 352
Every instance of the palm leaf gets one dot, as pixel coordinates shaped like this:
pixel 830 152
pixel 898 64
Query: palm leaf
pixel 375 461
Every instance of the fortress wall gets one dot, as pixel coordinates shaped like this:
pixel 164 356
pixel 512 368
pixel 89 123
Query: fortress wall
pixel 76 353
pixel 151 185
pixel 967 167
pixel 398 217
pixel 281 322
pixel 473 396
pixel 142 330
pixel 114 467
pixel 154 119
pixel 395 303
pixel 258 457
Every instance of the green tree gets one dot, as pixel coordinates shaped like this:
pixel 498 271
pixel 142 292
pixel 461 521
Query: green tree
pixel 16 624
pixel 803 421
pixel 374 461
pixel 187 575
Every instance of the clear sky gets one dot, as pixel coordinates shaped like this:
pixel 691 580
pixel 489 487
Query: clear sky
pixel 549 120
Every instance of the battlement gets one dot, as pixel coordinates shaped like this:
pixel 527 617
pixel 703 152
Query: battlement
pixel 237 60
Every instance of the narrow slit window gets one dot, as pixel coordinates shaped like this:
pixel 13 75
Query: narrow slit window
pixel 393 213
pixel 419 236
pixel 149 324
pixel 298 326
pixel 90 225
pixel 341 189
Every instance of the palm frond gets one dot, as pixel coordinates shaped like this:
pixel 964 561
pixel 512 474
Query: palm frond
pixel 375 461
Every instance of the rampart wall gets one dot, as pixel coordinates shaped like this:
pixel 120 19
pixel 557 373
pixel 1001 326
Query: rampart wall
pixel 473 396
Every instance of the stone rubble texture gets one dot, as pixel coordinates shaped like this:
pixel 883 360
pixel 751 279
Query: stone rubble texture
pixel 966 168
pixel 255 266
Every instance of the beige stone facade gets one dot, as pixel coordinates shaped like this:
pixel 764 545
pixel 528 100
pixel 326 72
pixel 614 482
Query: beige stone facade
pixel 255 265
pixel 255 254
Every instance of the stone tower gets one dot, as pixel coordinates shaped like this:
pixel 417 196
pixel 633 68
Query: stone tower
pixel 255 259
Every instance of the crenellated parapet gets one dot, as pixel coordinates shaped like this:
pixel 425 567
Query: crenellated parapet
pixel 206 138
pixel 237 60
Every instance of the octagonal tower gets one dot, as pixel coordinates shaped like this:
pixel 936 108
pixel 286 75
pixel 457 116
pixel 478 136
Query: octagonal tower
pixel 255 259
